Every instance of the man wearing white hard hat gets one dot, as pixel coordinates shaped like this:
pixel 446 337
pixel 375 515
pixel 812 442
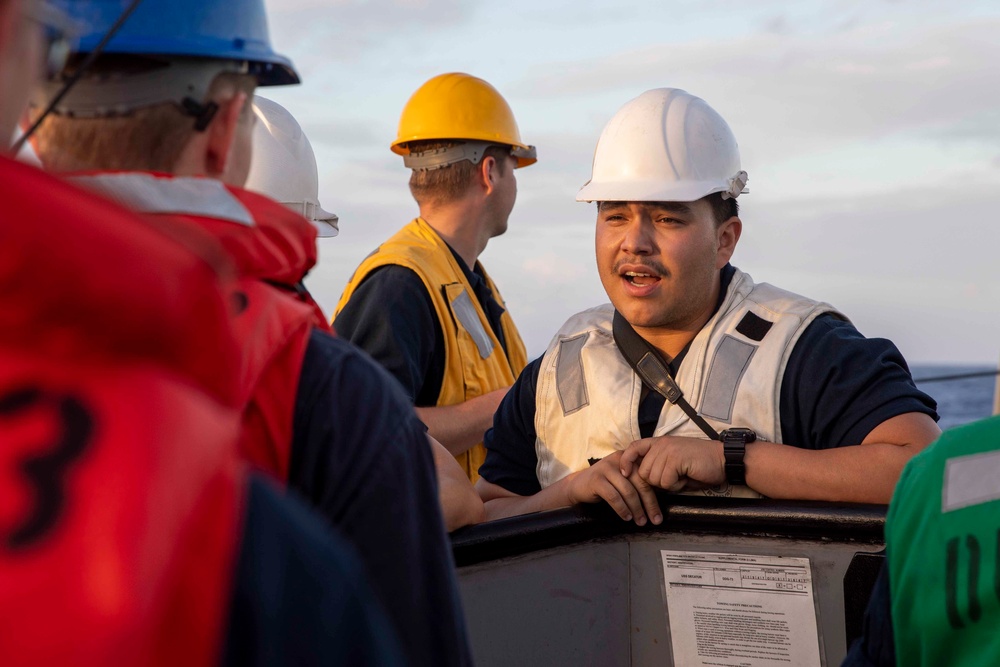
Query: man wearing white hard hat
pixel 284 168
pixel 694 378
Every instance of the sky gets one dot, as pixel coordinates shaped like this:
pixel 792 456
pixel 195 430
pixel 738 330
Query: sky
pixel 870 130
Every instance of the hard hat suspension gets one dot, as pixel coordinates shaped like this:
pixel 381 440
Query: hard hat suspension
pixel 438 158
pixel 473 151
pixel 65 87
pixel 183 81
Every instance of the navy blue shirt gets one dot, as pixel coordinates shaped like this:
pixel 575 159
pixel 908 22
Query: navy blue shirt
pixel 361 457
pixel 391 317
pixel 300 596
pixel 838 386
pixel 876 647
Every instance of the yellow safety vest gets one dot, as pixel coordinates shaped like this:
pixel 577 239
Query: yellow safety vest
pixel 475 363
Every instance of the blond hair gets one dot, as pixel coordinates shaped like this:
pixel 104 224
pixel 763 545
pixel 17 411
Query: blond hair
pixel 147 139
pixel 449 183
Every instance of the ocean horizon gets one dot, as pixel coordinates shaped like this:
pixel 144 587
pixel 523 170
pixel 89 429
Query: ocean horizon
pixel 959 401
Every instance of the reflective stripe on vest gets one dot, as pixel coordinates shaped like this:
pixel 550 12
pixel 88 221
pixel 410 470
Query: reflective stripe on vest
pixel 475 363
pixel 272 248
pixel 587 398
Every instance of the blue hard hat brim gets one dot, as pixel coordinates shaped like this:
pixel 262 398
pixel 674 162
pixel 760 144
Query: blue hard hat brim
pixel 270 69
pixel 222 29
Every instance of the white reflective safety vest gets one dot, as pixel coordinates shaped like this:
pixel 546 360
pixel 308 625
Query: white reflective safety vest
pixel 587 397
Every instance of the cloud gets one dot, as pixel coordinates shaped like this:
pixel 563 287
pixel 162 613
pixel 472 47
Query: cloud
pixel 869 131
pixel 340 30
pixel 344 133
pixel 810 91
pixel 552 270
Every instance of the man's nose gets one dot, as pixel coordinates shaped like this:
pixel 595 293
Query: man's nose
pixel 638 239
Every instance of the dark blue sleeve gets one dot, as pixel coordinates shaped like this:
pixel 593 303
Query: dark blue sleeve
pixel 838 386
pixel 361 456
pixel 510 445
pixel 876 647
pixel 391 317
pixel 299 594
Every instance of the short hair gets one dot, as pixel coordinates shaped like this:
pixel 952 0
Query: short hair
pixel 722 209
pixel 147 139
pixel 449 183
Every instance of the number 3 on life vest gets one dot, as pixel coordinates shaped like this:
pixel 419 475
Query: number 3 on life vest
pixel 43 468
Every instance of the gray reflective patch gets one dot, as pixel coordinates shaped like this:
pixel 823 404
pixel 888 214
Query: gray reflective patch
pixel 970 480
pixel 469 318
pixel 146 193
pixel 570 380
pixel 728 366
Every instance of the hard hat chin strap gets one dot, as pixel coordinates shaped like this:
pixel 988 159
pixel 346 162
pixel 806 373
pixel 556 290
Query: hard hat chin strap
pixel 202 113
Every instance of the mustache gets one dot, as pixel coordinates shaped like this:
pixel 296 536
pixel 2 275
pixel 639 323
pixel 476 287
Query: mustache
pixel 652 264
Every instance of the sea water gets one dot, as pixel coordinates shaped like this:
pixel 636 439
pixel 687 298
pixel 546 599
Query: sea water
pixel 959 401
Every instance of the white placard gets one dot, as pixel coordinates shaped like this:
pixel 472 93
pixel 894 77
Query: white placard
pixel 739 610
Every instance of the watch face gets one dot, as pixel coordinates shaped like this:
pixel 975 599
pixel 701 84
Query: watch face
pixel 744 435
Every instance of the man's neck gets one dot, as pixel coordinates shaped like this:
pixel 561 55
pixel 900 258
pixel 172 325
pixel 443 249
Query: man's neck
pixel 668 342
pixel 461 225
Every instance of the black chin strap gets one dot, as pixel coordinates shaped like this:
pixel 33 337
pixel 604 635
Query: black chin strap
pixel 654 373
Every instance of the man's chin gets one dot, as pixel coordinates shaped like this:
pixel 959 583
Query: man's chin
pixel 638 316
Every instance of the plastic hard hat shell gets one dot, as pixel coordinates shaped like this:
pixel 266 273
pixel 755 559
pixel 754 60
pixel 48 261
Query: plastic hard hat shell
pixel 665 145
pixel 459 106
pixel 283 166
pixel 224 29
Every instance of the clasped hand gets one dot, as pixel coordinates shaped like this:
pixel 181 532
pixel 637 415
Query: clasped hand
pixel 626 479
pixel 675 463
pixel 629 495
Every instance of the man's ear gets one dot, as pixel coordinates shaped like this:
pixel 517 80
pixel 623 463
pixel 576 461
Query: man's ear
pixel 221 133
pixel 488 174
pixel 728 235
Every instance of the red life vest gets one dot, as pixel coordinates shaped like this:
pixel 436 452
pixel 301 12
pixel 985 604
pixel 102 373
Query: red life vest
pixel 273 250
pixel 120 494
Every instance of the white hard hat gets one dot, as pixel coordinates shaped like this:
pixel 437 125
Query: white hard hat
pixel 284 165
pixel 665 145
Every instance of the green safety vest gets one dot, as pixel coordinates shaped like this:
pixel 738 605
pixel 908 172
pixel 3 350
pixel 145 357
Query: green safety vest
pixel 943 537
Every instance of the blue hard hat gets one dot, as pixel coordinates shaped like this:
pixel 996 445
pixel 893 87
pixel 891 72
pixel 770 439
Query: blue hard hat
pixel 218 29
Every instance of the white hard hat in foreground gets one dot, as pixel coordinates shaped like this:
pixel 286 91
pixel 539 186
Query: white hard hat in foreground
pixel 284 165
pixel 665 145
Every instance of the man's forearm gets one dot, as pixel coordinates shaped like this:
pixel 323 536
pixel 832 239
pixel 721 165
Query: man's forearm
pixel 460 504
pixel 863 473
pixel 551 497
pixel 459 427
pixel 866 473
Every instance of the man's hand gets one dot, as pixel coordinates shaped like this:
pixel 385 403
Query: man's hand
pixel 671 462
pixel 628 495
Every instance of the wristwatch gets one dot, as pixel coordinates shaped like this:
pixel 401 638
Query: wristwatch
pixel 734 448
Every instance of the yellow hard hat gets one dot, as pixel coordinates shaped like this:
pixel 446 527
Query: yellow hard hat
pixel 463 107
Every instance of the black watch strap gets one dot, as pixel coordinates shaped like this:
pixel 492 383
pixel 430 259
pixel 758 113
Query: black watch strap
pixel 734 448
